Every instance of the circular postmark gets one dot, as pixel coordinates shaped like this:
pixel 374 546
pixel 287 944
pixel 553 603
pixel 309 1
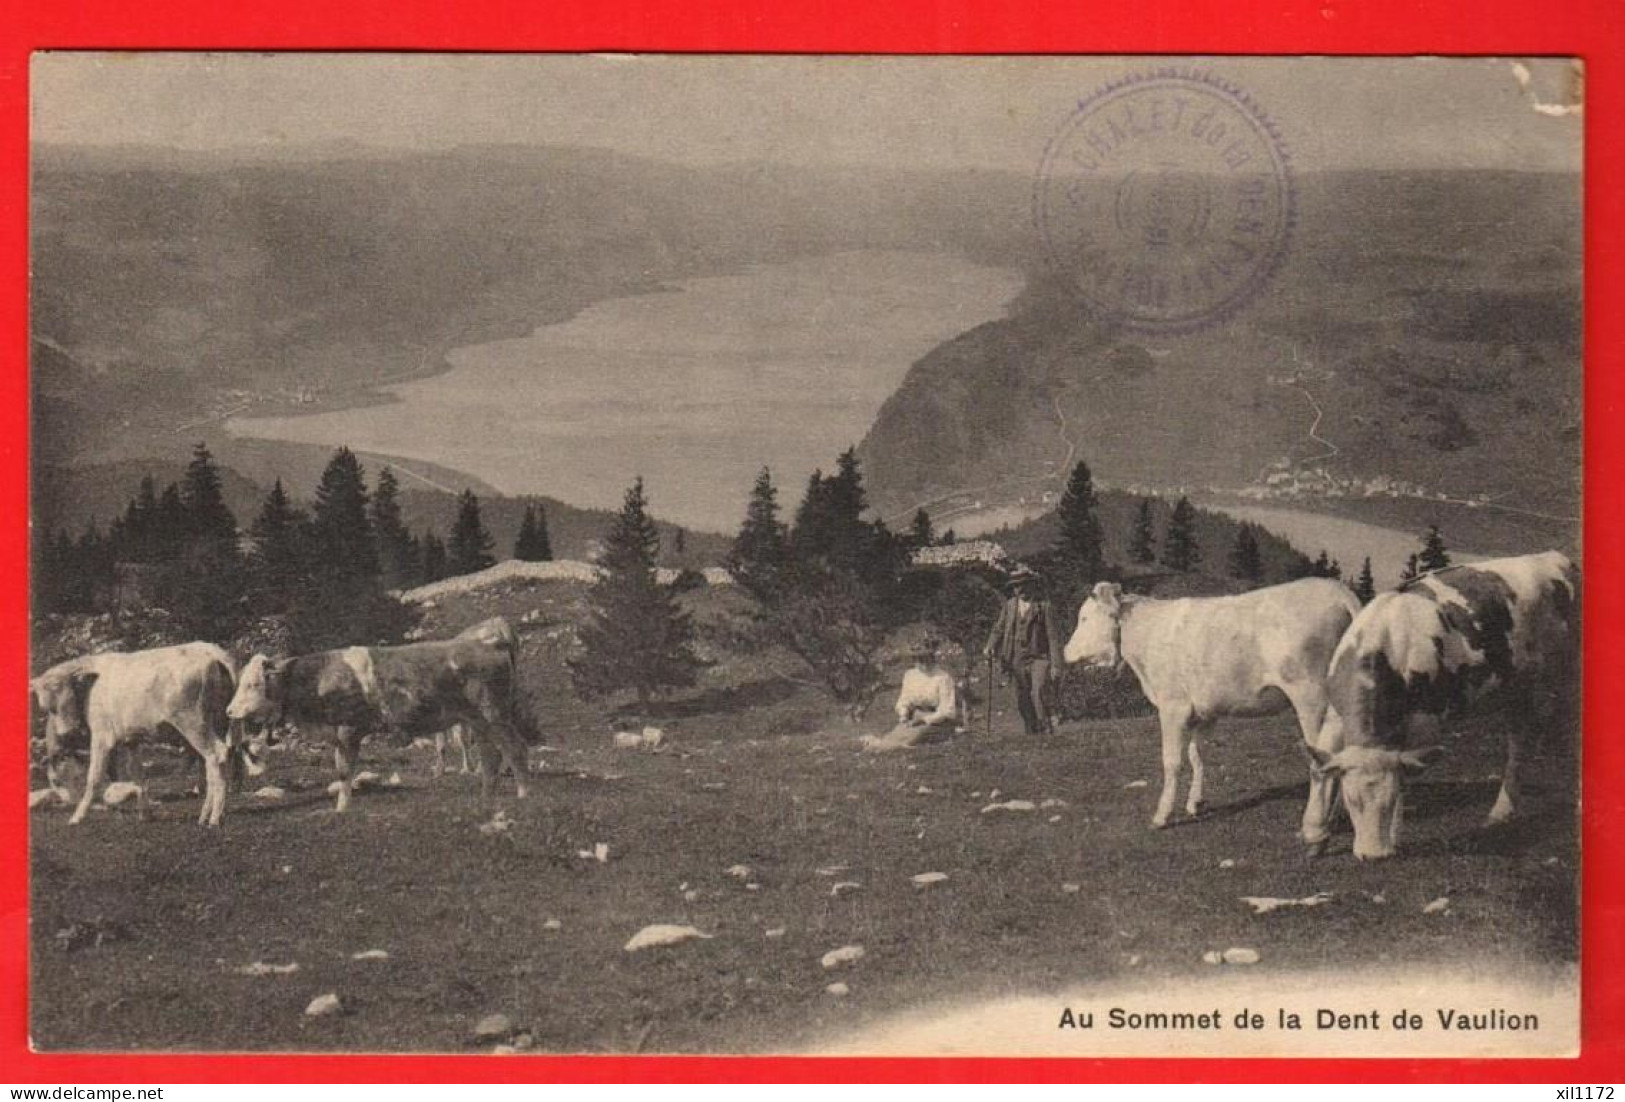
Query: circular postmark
pixel 1167 200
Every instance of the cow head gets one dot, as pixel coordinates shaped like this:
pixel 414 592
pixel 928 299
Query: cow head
pixel 1370 779
pixel 258 699
pixel 1099 635
pixel 62 694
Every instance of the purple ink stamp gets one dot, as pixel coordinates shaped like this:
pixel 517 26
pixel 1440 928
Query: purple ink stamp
pixel 1167 200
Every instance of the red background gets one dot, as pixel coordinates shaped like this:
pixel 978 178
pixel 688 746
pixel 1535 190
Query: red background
pixel 1591 29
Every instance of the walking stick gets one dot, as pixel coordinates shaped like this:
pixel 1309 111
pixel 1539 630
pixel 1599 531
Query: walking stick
pixel 989 704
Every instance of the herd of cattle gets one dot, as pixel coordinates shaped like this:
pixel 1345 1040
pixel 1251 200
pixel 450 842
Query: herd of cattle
pixel 1363 683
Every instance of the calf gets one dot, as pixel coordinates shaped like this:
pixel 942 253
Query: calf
pixel 1200 658
pixel 116 699
pixel 1431 649
pixel 416 689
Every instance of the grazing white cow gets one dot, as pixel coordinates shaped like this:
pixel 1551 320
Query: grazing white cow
pixel 1429 650
pixel 116 699
pixel 1199 658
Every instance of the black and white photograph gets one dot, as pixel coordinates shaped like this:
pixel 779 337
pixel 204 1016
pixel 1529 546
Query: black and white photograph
pixel 794 554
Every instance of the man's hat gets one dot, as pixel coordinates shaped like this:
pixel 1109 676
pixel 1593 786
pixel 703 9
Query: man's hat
pixel 926 647
pixel 1022 574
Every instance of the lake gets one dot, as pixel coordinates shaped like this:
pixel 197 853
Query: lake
pixel 695 388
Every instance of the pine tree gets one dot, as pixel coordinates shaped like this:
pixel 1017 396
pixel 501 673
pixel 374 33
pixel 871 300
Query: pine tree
pixel 760 552
pixel 921 533
pixel 206 512
pixel 468 548
pixel 1413 569
pixel 948 538
pixel 1246 562
pixel 1180 550
pixel 533 543
pixel 1434 556
pixel 170 525
pixel 1322 566
pixel 637 636
pixel 340 527
pixel 278 561
pixel 135 537
pixel 1365 586
pixel 1142 546
pixel 395 550
pixel 432 552
pixel 1081 537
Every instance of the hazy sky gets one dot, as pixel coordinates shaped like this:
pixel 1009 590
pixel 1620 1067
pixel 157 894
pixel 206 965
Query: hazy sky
pixel 992 113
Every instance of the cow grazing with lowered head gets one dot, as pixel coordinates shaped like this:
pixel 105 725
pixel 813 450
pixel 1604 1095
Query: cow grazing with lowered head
pixel 114 700
pixel 1429 650
pixel 416 689
pixel 1200 658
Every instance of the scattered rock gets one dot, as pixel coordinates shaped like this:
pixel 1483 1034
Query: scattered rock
pixel 659 935
pixel 691 896
pixel 1213 956
pixel 370 954
pixel 833 870
pixel 713 786
pixel 1071 889
pixel 923 791
pixel 627 740
pixel 753 887
pixel 1011 805
pixel 1440 905
pixel 120 791
pixel 1264 904
pixel 926 879
pixel 260 968
pixel 269 792
pixel 498 824
pixel 492 1027
pixel 1135 784
pixel 1054 819
pixel 1052 801
pixel 552 924
pixel 394 780
pixel 844 888
pixel 740 872
pixel 775 933
pixel 839 990
pixel 323 1005
pixel 846 954
pixel 1135 960
pixel 1240 956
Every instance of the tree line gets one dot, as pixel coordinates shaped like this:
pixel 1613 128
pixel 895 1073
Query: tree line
pixel 326 571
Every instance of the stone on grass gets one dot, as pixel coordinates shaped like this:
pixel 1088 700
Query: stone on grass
pixel 844 888
pixel 492 1027
pixel 269 792
pixel 119 791
pixel 1440 905
pixel 370 954
pixel 1264 904
pixel 660 935
pixel 260 968
pixel 740 872
pixel 846 954
pixel 552 924
pixel 839 990
pixel 776 932
pixel 926 879
pixel 1011 805
pixel 323 1005
pixel 1240 956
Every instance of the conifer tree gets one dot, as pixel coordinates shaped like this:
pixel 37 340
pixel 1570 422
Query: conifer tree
pixel 395 550
pixel 340 526
pixel 1365 586
pixel 170 525
pixel 1246 562
pixel 432 552
pixel 533 543
pixel 759 554
pixel 278 561
pixel 1180 551
pixel 207 515
pixel 1142 546
pixel 1413 569
pixel 920 532
pixel 1322 566
pixel 468 549
pixel 136 535
pixel 1434 556
pixel 637 636
pixel 1081 539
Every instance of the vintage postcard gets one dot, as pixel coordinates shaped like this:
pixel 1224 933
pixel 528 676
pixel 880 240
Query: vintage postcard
pixel 788 554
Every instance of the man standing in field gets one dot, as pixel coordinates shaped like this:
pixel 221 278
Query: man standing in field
pixel 1028 646
pixel 928 705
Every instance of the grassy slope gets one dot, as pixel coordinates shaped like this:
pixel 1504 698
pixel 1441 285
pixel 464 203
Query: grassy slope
pixel 760 773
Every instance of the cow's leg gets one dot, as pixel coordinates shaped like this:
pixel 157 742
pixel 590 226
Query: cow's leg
pixel 1321 727
pixel 346 753
pixel 1510 799
pixel 137 774
pixel 1194 801
pixel 468 746
pixel 94 775
pixel 1175 720
pixel 490 764
pixel 214 791
pixel 439 765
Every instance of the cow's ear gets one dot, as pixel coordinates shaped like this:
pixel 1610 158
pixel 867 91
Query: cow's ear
pixel 1109 594
pixel 1414 761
